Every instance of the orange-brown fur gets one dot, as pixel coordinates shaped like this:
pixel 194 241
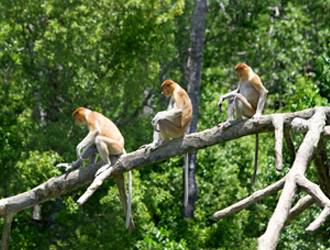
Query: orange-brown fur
pixel 182 101
pixel 247 100
pixel 95 121
pixel 174 121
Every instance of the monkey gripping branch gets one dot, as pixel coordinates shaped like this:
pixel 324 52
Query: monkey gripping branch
pixel 311 122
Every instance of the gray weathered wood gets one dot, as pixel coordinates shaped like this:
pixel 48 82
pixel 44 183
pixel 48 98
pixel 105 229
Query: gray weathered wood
pixel 278 124
pixel 255 197
pixel 67 182
pixel 6 232
pixel 315 129
pixel 296 177
pixel 194 67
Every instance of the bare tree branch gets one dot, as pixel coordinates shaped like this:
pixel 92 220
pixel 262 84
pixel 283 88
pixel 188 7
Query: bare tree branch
pixel 322 166
pixel 300 207
pixel 255 197
pixel 295 177
pixel 67 182
pixel 278 124
pixel 290 145
pixel 6 232
pixel 315 128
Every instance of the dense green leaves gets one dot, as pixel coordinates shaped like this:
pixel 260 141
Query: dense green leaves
pixel 111 56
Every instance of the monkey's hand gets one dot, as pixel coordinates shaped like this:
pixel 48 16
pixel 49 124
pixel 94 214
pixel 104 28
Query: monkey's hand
pixel 67 166
pixel 220 104
pixel 155 124
pixel 79 155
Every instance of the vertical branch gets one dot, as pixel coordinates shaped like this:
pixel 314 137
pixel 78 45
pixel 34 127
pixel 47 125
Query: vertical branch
pixel 6 232
pixel 194 68
pixel 290 144
pixel 277 120
pixel 322 166
pixel 271 237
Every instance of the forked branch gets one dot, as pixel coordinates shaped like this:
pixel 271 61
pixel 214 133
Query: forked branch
pixel 67 182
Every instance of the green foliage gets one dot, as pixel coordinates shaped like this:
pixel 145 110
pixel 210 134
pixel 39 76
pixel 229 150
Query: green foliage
pixel 161 240
pixel 40 166
pixel 111 56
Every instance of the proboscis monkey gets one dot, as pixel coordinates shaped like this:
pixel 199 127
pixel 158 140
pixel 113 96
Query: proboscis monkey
pixel 105 139
pixel 248 100
pixel 173 122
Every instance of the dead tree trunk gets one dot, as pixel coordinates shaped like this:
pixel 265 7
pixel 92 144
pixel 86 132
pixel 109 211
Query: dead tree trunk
pixel 311 122
pixel 195 69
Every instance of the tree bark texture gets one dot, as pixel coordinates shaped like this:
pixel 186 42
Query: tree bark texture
pixel 311 122
pixel 195 69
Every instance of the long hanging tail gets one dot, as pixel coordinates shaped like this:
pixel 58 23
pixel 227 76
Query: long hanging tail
pixel 129 202
pixel 185 203
pixel 255 159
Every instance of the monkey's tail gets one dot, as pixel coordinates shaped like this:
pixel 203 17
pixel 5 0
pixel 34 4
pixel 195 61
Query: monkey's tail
pixel 129 202
pixel 255 160
pixel 185 203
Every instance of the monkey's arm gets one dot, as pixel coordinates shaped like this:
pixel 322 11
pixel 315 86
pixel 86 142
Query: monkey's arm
pixel 173 113
pixel 226 96
pixel 88 139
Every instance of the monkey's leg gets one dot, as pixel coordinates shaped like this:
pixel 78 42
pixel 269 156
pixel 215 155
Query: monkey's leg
pixel 107 146
pixel 230 113
pixel 167 130
pixel 90 151
pixel 157 139
pixel 243 107
pixel 231 109
pixel 104 153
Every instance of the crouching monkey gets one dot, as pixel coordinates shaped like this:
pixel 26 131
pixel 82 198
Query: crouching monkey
pixel 248 100
pixel 105 139
pixel 173 122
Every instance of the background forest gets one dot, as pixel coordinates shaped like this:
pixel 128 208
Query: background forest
pixel 111 56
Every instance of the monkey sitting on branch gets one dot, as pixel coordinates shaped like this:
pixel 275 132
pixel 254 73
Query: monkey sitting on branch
pixel 247 100
pixel 173 122
pixel 104 138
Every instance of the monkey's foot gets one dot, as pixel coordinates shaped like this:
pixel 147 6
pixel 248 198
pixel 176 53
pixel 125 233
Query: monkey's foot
pixel 145 146
pixel 67 166
pixel 158 144
pixel 227 124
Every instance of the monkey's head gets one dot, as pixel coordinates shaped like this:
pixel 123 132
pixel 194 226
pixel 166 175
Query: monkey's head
pixel 168 87
pixel 79 115
pixel 242 70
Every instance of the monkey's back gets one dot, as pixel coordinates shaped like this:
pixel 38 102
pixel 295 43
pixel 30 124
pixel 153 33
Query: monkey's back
pixel 187 108
pixel 105 125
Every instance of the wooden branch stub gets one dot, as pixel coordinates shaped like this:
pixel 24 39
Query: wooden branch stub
pixel 319 220
pixel 290 145
pixel 6 235
pixel 300 207
pixel 278 125
pixel 322 165
pixel 255 197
